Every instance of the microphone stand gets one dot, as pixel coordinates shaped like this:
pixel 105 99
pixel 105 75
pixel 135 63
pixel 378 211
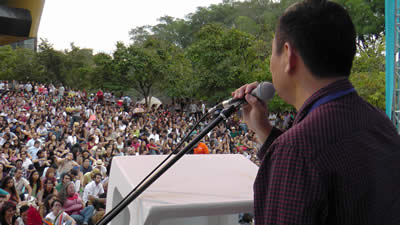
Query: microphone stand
pixel 132 196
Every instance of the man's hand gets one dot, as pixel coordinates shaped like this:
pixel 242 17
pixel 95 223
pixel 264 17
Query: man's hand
pixel 255 113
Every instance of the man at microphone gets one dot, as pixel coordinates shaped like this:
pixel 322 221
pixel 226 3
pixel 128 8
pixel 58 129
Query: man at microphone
pixel 340 161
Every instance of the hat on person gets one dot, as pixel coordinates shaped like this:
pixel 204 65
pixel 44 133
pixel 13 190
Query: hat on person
pixel 99 162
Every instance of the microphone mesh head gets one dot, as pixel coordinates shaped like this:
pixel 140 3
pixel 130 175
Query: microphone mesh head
pixel 264 91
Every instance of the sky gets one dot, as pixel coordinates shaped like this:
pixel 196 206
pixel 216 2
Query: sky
pixel 99 24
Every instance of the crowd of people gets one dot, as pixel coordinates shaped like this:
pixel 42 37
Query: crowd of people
pixel 57 146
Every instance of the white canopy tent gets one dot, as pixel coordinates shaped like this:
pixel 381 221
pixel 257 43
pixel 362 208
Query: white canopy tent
pixel 153 101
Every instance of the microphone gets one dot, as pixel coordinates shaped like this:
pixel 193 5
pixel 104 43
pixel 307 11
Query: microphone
pixel 264 92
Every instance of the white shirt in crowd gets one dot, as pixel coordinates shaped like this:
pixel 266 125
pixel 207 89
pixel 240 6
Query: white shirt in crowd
pixel 28 87
pixel 155 136
pixel 26 163
pixel 51 218
pixel 92 189
pixel 20 184
pixel 71 139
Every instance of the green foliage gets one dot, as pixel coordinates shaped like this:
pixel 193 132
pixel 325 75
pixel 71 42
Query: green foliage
pixel 102 72
pixel 7 62
pixel 27 66
pixel 369 19
pixel 142 66
pixel 368 75
pixel 78 67
pixel 52 62
pixel 223 59
pixel 210 53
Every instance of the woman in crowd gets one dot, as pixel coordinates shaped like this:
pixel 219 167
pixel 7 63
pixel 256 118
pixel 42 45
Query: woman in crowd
pixel 47 190
pixel 50 175
pixel 7 214
pixel 74 206
pixel 35 183
pixel 8 185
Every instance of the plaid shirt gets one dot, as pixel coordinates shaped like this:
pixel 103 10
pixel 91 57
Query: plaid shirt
pixel 340 164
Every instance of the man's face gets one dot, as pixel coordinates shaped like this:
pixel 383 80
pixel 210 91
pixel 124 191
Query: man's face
pixel 69 156
pixel 97 179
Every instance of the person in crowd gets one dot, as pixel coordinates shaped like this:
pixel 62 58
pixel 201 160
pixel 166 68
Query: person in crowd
pixel 35 183
pixel 88 177
pixel 93 190
pixel 23 218
pixel 41 162
pixel 57 216
pixel 49 188
pixel 45 205
pixel 11 173
pixel 26 162
pixel 66 164
pixel 22 185
pixel 7 214
pixel 50 175
pixel 33 150
pixel 201 148
pixel 86 167
pixel 65 178
pixel 74 206
pixel 8 186
pixel 152 148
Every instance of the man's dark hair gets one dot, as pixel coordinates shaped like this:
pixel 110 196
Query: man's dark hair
pixel 97 174
pixel 54 202
pixel 39 152
pixel 322 33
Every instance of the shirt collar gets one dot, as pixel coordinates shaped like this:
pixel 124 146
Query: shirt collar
pixel 336 86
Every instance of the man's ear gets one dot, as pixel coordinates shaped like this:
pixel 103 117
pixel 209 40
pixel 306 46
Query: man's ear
pixel 291 58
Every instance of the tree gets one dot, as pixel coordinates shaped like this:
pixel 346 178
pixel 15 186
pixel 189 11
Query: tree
pixel 369 19
pixel 27 66
pixel 102 71
pixel 8 60
pixel 141 66
pixel 52 62
pixel 78 67
pixel 368 75
pixel 223 59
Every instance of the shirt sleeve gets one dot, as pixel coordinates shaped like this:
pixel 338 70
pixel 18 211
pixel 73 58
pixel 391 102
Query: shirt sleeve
pixel 101 189
pixel 288 189
pixel 86 193
pixel 25 181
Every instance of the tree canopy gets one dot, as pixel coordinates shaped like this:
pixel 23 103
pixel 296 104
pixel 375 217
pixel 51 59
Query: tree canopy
pixel 205 55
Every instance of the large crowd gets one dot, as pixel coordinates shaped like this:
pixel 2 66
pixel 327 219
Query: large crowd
pixel 57 145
